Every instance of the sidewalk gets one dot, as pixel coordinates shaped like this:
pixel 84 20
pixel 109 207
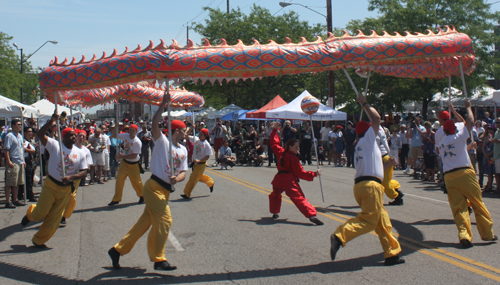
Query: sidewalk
pixel 36 188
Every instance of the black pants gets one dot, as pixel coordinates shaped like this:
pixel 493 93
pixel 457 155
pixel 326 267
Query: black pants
pixel 349 151
pixel 29 173
pixel 403 156
pixel 145 156
pixel 113 164
pixel 480 157
pixel 270 155
pixel 305 151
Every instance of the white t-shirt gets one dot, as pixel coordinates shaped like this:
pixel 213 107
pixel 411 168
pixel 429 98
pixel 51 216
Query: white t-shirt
pixel 201 148
pixel 439 135
pixel 160 160
pixel 333 135
pixel 367 156
pixel 453 149
pixel 74 159
pixel 382 141
pixel 88 155
pixel 130 146
pixel 108 142
pixel 27 145
pixel 325 131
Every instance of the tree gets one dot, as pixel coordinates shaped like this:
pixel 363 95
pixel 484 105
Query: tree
pixel 261 25
pixel 472 17
pixel 11 79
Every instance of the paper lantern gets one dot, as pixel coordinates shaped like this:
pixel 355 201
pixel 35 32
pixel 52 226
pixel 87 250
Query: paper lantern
pixel 309 105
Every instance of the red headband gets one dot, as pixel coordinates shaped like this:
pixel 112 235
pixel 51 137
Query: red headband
pixel 177 124
pixel 66 130
pixel 135 127
pixel 205 132
pixel 362 127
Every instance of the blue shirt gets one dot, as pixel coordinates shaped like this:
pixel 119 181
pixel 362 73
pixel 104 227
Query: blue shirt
pixel 113 140
pixel 416 137
pixel 15 147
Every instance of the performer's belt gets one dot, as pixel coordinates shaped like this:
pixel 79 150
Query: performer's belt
pixel 162 183
pixel 456 169
pixel 367 178
pixel 59 183
pixel 283 171
pixel 385 155
pixel 141 170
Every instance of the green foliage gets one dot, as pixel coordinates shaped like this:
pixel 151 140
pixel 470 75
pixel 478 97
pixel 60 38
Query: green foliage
pixel 11 79
pixel 472 17
pixel 262 26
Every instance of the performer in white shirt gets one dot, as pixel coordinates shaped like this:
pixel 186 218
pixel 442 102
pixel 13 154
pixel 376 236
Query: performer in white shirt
pixel 368 191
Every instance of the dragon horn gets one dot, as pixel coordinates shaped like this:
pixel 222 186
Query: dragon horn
pixel 114 53
pixel 190 44
pixel 206 43
pixel 126 51
pixel 161 45
pixel 82 60
pixel 138 49
pixel 103 55
pixel 72 61
pixel 150 46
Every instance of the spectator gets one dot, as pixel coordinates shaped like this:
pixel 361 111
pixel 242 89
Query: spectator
pixel 480 156
pixel 496 152
pixel 146 137
pixel 324 139
pixel 226 156
pixel 97 144
pixel 415 134
pixel 488 161
pixel 14 164
pixel 271 156
pixel 338 145
pixel 428 149
pixel 29 159
pixel 306 144
pixel 395 145
pixel 350 139
pixel 218 133
pixel 288 132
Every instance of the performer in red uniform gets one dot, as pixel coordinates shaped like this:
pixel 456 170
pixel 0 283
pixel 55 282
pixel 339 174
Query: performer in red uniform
pixel 289 171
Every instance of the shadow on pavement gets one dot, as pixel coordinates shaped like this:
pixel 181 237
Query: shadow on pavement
pixel 187 200
pixel 264 221
pixel 21 248
pixel 106 208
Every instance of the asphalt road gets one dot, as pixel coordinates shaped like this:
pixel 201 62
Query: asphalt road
pixel 228 237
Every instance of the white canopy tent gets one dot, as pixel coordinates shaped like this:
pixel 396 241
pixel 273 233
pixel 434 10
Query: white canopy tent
pixel 47 109
pixel 13 109
pixel 293 111
pixel 179 113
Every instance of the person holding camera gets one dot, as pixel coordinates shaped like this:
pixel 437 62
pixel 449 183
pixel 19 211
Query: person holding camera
pixel 146 138
pixel 415 134
pixel 288 132
pixel 218 133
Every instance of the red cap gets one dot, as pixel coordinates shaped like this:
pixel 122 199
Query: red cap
pixel 445 115
pixel 66 130
pixel 205 132
pixel 177 124
pixel 362 127
pixel 81 132
pixel 134 126
pixel 339 127
pixel 450 127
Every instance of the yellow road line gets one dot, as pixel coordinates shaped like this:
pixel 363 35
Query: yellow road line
pixel 430 251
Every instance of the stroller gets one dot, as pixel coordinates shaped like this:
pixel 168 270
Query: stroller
pixel 419 169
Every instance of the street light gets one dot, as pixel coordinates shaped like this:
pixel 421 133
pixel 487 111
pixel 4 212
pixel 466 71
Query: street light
pixel 329 26
pixel 23 60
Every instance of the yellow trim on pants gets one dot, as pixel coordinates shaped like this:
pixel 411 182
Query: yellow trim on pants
pixel 157 214
pixel 197 175
pixel 50 207
pixel 390 185
pixel 70 207
pixel 373 216
pixel 131 171
pixel 462 185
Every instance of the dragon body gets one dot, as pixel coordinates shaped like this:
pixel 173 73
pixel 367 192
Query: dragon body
pixel 434 55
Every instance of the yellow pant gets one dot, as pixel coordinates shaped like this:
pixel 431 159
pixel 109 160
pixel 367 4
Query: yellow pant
pixel 197 175
pixel 70 207
pixel 157 214
pixel 131 171
pixel 462 185
pixel 50 207
pixel 390 185
pixel 373 216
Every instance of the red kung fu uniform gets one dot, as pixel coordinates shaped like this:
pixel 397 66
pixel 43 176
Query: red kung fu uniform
pixel 286 179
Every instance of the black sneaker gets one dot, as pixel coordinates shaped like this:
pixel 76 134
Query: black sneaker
pixel 164 265
pixel 275 216
pixel 10 206
pixel 41 246
pixel 212 188
pixel 185 197
pixel 141 200
pixel 335 246
pixel 466 243
pixel 315 220
pixel 393 261
pixel 63 221
pixel 115 258
pixel 19 204
pixel 495 238
pixel 113 203
pixel 25 221
pixel 399 200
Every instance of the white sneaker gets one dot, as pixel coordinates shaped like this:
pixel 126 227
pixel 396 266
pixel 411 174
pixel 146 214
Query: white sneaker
pixel 407 171
pixel 221 167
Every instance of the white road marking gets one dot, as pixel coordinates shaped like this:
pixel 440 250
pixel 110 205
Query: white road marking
pixel 173 240
pixel 446 202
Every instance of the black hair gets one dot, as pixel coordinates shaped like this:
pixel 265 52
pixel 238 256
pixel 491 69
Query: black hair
pixel 14 122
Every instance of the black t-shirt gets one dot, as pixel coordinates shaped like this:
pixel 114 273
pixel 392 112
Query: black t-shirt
pixel 349 136
pixel 288 134
pixel 306 135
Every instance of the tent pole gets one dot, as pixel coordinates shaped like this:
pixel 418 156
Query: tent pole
pixel 317 159
pixel 60 137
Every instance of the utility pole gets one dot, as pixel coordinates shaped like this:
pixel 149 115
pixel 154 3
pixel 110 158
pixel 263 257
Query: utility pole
pixel 228 6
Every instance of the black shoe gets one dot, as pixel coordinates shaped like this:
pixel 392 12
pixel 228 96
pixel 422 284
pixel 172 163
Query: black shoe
pixel 42 246
pixel 466 243
pixel 115 258
pixel 275 216
pixel 33 200
pixel 315 220
pixel 393 261
pixel 212 188
pixel 25 221
pixel 185 197
pixel 113 203
pixel 141 200
pixel 10 206
pixel 399 200
pixel 164 265
pixel 19 204
pixel 495 238
pixel 470 210
pixel 63 221
pixel 335 245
